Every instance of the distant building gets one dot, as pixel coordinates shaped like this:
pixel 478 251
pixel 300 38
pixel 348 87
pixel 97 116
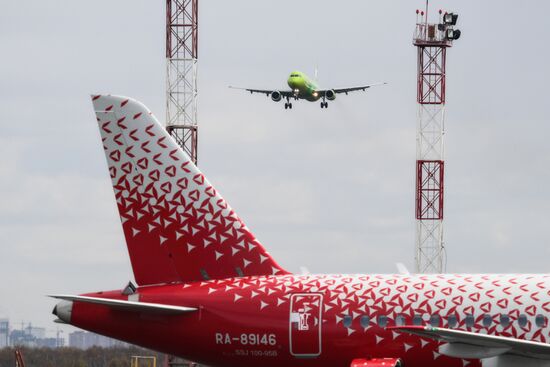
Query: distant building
pixel 33 337
pixel 4 333
pixel 86 340
pixel 22 338
pixel 36 332
pixel 48 342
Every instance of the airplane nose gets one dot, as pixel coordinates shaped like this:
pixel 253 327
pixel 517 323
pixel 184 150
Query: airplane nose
pixel 63 310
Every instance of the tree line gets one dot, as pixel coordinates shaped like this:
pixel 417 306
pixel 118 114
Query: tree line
pixel 72 357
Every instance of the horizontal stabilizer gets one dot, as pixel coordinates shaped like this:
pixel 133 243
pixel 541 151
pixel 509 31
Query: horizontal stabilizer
pixel 129 305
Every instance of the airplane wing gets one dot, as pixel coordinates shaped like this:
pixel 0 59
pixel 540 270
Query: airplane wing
pixel 353 89
pixel 284 94
pixel 129 305
pixel 467 344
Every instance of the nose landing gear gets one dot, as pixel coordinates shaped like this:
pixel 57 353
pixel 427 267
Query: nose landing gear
pixel 324 104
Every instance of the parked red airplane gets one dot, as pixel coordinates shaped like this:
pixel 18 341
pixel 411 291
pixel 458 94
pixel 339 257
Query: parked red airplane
pixel 208 291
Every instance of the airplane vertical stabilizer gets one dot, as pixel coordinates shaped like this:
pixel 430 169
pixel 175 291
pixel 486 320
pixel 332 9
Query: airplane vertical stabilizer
pixel 177 226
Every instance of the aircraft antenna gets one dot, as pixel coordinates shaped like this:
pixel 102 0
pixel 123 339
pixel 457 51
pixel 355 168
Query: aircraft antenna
pixel 432 41
pixel 181 73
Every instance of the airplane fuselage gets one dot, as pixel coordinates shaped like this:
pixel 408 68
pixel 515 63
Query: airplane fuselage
pixel 303 86
pixel 324 319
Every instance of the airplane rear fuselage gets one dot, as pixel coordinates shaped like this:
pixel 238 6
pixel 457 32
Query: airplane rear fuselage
pixel 323 319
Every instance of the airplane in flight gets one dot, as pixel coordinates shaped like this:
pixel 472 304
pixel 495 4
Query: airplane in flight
pixel 208 291
pixel 303 87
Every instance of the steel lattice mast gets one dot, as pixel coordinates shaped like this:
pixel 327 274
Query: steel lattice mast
pixel 432 42
pixel 182 44
pixel 181 73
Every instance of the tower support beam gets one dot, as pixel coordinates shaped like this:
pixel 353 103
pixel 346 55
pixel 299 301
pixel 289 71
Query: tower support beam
pixel 181 73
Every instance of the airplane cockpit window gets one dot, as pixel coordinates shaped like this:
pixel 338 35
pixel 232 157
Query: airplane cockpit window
pixel 487 320
pixel 347 321
pixel 365 321
pixel 417 320
pixel 522 320
pixel 504 321
pixel 541 321
pixel 382 321
pixel 452 320
pixel 470 320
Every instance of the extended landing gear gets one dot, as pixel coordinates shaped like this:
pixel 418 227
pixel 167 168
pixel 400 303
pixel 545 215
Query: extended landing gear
pixel 324 104
pixel 288 105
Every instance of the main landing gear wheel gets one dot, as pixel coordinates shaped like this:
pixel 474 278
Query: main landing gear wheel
pixel 288 106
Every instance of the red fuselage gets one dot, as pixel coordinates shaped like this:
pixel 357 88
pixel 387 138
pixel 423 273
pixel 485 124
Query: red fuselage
pixel 323 320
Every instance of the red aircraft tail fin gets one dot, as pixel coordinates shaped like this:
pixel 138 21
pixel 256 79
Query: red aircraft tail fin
pixel 177 226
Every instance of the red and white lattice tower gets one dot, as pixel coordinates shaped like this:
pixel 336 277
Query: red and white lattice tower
pixel 432 42
pixel 182 44
pixel 181 73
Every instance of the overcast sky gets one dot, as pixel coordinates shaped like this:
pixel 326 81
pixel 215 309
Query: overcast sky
pixel 331 190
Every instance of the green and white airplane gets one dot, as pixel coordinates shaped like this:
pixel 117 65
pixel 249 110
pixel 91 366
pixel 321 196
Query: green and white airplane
pixel 303 87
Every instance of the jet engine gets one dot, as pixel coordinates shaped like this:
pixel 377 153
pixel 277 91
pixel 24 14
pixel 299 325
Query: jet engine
pixel 276 96
pixel 330 94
